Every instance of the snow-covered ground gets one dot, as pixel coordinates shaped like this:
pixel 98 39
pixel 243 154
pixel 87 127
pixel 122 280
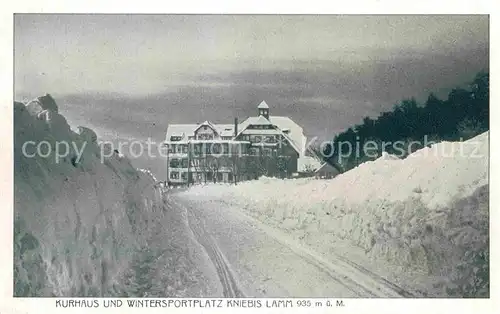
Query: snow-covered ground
pixel 89 228
pixel 424 218
pixel 252 259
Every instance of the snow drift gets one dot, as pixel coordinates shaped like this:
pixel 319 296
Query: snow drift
pixel 80 224
pixel 426 214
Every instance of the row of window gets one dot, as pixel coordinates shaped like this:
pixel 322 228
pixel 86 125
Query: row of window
pixel 265 151
pixel 261 127
pixel 178 163
pixel 210 176
pixel 178 148
pixel 205 137
pixel 253 151
pixel 208 148
pixel 261 138
pixel 174 175
pixel 200 163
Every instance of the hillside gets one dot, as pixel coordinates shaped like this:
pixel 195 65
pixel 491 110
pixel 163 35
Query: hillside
pixel 84 224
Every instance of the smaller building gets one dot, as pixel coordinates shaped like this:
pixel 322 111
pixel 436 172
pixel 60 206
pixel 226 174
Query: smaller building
pixel 327 171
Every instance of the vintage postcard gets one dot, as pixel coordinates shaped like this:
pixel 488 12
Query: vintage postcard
pixel 236 161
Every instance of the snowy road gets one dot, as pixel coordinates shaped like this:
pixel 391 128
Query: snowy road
pixel 250 259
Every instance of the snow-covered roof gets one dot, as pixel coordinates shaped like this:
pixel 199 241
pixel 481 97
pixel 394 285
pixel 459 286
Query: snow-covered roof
pixel 182 130
pixel 295 135
pixel 295 132
pixel 225 129
pixel 252 131
pixel 185 130
pixel 263 105
pixel 260 120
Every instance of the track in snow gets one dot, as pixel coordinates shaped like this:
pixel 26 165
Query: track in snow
pixel 229 285
pixel 343 274
pixel 347 273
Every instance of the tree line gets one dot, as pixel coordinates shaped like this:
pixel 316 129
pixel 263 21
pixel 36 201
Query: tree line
pixel 463 115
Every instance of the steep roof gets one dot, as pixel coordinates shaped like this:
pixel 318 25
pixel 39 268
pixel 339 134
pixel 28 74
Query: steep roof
pixel 182 130
pixel 260 120
pixel 225 129
pixel 263 105
pixel 290 130
pixel 295 133
pixel 263 132
pixel 206 123
pixel 185 130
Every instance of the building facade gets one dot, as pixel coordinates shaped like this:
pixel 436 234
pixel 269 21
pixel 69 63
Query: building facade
pixel 263 145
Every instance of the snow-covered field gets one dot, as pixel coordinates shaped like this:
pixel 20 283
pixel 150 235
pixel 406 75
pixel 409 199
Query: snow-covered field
pixel 425 217
pixel 86 228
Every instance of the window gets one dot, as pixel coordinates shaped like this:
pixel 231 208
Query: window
pixel 256 139
pixel 174 175
pixel 205 137
pixel 269 139
pixel 216 148
pixel 197 149
pixel 174 163
pixel 243 149
pixel 184 176
pixel 184 163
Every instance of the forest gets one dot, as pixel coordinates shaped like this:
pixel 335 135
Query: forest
pixel 463 115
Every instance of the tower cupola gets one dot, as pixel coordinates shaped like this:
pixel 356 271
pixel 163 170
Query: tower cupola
pixel 263 110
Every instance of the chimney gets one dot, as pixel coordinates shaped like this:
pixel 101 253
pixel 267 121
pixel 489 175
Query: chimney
pixel 235 126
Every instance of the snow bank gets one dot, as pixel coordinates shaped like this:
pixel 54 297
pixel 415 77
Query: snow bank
pixel 427 213
pixel 78 222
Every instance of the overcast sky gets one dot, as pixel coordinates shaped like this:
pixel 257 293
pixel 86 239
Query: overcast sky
pixel 141 54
